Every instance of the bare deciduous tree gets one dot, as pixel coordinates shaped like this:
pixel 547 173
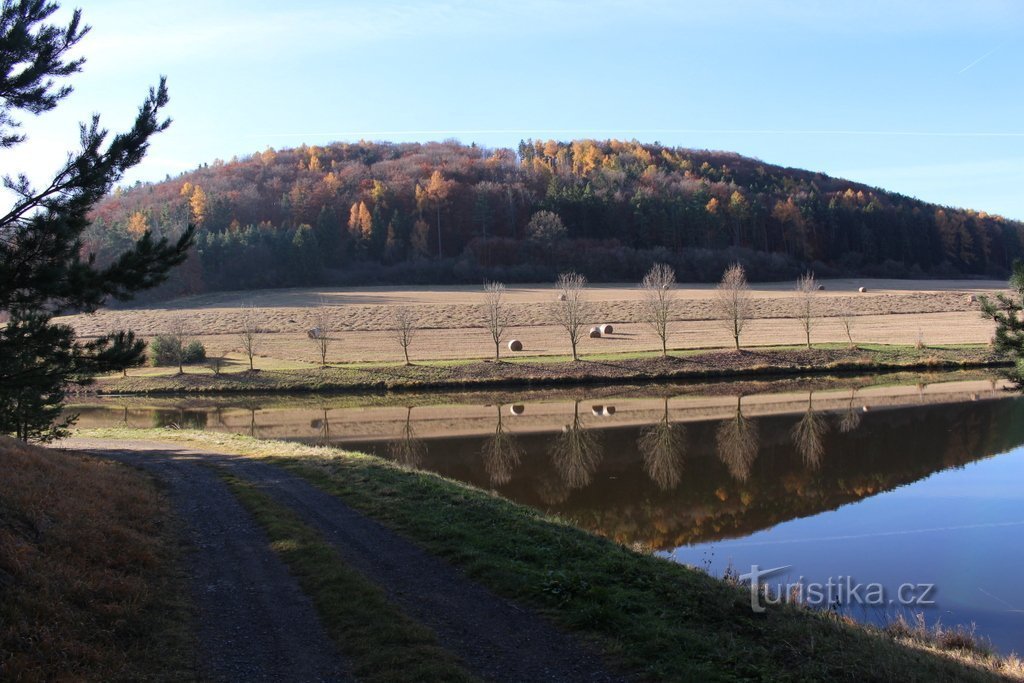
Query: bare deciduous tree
pixel 179 336
pixel 571 309
pixel 733 301
pixel 846 319
pixel 662 446
pixel 249 334
pixel 851 417
pixel 737 440
pixel 501 454
pixel 496 314
pixel 320 335
pixel 405 321
pixel 408 449
pixel 576 452
pixel 808 435
pixel 806 288
pixel 659 302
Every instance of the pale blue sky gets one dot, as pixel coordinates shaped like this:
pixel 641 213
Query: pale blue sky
pixel 919 97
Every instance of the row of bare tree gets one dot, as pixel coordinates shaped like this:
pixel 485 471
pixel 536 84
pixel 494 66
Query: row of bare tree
pixel 571 311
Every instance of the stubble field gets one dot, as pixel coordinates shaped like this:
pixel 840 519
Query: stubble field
pixel 451 323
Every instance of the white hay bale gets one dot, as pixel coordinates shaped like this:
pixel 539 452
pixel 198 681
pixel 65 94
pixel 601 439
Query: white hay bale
pixel 314 333
pixel 595 332
pixel 606 328
pixel 515 345
pixel 561 297
pixel 597 410
pixel 517 409
pixel 971 299
pixel 862 290
pixel 821 288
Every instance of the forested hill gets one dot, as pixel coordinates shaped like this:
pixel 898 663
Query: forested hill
pixel 375 212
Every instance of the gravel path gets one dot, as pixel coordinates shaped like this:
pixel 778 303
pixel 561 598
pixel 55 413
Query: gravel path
pixel 254 623
pixel 497 639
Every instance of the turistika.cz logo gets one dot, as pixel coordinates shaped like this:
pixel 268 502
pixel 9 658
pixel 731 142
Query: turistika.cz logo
pixel 838 591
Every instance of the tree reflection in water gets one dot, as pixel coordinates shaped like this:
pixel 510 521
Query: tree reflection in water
pixel 324 425
pixel 501 454
pixel 576 452
pixel 407 450
pixel 851 417
pixel 663 447
pixel 808 435
pixel 737 441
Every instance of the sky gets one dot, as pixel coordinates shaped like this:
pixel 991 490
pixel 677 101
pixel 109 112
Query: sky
pixel 919 97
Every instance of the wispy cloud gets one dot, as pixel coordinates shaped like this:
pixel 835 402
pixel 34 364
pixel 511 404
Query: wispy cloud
pixel 980 59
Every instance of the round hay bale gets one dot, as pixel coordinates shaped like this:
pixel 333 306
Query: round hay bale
pixel 862 290
pixel 609 410
pixel 515 345
pixel 597 410
pixel 606 328
pixel 821 288
pixel 595 332
pixel 561 297
pixel 517 409
pixel 971 299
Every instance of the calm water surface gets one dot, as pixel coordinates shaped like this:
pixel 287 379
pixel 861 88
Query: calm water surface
pixel 858 481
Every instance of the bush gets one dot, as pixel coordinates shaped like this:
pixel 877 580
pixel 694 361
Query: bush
pixel 166 349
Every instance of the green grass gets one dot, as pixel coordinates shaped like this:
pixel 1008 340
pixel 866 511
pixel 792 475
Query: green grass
pixel 658 619
pixel 692 364
pixel 376 636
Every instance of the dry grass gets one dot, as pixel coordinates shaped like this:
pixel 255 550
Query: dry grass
pixel 959 642
pixel 452 322
pixel 86 574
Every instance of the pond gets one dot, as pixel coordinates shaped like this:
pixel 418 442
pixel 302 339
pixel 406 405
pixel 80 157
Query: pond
pixel 876 496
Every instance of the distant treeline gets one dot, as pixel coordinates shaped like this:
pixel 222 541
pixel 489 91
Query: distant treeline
pixel 380 213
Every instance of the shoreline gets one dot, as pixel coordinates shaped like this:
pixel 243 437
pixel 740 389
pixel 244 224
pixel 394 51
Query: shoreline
pixel 761 363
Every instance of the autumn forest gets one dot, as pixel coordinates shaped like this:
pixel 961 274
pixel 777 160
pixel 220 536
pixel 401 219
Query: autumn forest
pixel 388 213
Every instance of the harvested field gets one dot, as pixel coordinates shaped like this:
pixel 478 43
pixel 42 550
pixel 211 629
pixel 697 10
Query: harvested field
pixel 451 322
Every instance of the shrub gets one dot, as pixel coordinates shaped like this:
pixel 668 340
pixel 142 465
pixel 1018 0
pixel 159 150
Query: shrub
pixel 167 349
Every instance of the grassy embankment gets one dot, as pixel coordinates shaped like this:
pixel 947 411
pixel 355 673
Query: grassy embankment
pixel 558 370
pixel 375 635
pixel 88 572
pixel 655 619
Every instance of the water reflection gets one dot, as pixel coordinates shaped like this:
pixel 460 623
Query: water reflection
pixel 808 435
pixel 850 419
pixel 685 469
pixel 407 449
pixel 737 441
pixel 663 447
pixel 576 452
pixel 501 453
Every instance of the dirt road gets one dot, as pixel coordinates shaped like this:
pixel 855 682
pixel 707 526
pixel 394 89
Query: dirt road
pixel 253 622
pixel 246 603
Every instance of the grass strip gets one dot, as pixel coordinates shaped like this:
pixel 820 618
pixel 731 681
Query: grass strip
pixel 660 620
pixel 382 642
pixel 691 365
